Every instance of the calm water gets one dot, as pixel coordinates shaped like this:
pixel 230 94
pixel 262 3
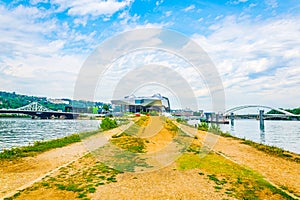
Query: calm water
pixel 20 132
pixel 283 134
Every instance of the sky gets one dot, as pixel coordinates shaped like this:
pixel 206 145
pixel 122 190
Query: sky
pixel 253 44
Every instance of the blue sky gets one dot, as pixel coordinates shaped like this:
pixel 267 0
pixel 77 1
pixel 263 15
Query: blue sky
pixel 255 45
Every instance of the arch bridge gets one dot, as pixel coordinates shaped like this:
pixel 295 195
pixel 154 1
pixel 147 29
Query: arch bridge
pixel 284 112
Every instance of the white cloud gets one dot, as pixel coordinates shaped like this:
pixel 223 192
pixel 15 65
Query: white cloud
pixel 157 3
pixel 168 13
pixel 90 7
pixel 191 7
pixel 237 1
pixel 271 3
pixel 256 59
pixel 30 60
pixel 34 2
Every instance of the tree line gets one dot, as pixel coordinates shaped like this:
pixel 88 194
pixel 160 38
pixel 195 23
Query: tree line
pixel 11 100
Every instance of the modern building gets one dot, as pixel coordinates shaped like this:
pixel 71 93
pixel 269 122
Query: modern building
pixel 135 104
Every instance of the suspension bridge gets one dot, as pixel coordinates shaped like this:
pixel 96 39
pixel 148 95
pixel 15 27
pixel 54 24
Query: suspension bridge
pixel 35 110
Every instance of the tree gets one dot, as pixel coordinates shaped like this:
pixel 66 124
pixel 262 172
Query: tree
pixel 105 107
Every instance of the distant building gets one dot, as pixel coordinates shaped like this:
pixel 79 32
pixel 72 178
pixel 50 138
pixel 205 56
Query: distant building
pixel 183 112
pixel 135 104
pixel 58 101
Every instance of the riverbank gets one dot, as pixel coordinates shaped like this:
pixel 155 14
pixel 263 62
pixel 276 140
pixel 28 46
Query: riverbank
pixel 230 170
pixel 19 173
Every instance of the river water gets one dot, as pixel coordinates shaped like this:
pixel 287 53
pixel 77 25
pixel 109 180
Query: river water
pixel 19 132
pixel 283 134
pixel 16 132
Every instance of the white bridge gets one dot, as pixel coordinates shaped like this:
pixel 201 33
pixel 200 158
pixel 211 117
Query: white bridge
pixel 35 106
pixel 34 109
pixel 284 112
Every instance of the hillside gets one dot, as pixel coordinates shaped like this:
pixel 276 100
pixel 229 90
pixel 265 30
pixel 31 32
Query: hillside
pixel 12 100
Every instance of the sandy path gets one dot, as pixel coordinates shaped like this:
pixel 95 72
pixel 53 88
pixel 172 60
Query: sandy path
pixel 161 182
pixel 279 171
pixel 19 174
pixel 166 183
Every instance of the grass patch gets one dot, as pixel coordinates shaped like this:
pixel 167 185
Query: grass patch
pixel 127 141
pixel 170 126
pixel 143 121
pixel 130 143
pixel 81 177
pixel 181 120
pixel 236 181
pixel 203 126
pixel 272 150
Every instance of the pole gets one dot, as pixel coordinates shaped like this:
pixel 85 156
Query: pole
pixel 232 119
pixel 261 120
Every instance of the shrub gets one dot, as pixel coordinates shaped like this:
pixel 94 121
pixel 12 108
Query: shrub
pixel 203 126
pixel 108 123
pixel 153 113
pixel 214 128
pixel 180 120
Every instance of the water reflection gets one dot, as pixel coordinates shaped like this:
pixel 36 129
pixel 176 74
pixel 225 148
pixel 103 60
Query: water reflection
pixel 262 136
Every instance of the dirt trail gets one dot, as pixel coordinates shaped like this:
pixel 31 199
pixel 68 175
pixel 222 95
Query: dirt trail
pixel 165 183
pixel 279 171
pixel 157 135
pixel 21 173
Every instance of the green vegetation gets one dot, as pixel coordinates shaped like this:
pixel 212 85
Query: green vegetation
pixel 143 121
pixel 105 107
pixel 153 113
pixel 170 126
pixel 129 143
pixel 14 116
pixel 214 128
pixel 272 150
pixel 181 120
pixel 203 126
pixel 295 111
pixel 108 123
pixel 230 178
pixel 12 100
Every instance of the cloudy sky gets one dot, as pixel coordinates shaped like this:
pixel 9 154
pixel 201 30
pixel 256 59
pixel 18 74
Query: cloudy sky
pixel 254 44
